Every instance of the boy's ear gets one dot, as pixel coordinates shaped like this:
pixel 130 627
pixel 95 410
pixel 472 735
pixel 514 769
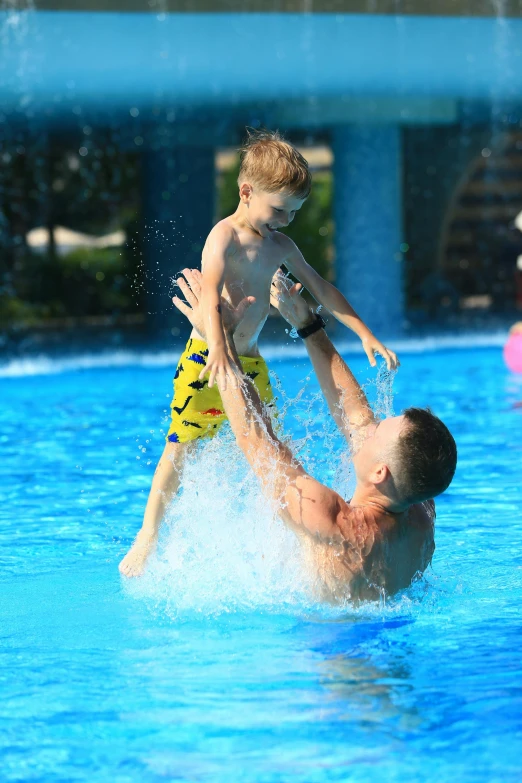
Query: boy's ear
pixel 245 191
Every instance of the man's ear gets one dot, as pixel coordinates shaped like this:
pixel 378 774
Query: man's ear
pixel 245 192
pixel 380 473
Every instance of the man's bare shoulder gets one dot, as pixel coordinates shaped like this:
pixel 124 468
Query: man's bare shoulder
pixel 421 525
pixel 422 514
pixel 391 549
pixel 358 525
pixel 362 525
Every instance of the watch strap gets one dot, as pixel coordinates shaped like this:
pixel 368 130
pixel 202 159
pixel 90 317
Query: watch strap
pixel 306 331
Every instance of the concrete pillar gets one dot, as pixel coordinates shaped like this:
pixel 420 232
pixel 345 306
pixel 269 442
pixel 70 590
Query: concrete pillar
pixel 368 223
pixel 178 213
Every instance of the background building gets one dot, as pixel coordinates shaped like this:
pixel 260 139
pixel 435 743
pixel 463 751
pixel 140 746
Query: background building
pixel 114 114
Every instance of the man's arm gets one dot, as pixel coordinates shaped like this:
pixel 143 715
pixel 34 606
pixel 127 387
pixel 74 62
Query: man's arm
pixel 303 503
pixel 346 400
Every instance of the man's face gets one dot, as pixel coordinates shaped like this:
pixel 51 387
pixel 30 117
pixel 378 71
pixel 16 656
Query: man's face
pixel 268 212
pixel 377 445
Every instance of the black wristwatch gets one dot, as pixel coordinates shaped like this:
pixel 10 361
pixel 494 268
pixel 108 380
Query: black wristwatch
pixel 306 331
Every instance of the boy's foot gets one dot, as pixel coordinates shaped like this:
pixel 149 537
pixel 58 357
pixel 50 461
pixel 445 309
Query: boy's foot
pixel 134 561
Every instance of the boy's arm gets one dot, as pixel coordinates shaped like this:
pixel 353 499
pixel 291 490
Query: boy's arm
pixel 218 245
pixel 334 301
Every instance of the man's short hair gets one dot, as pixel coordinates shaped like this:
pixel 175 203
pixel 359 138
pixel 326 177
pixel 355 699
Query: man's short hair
pixel 270 162
pixel 427 455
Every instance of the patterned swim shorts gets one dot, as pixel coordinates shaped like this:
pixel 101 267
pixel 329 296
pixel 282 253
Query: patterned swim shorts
pixel 196 410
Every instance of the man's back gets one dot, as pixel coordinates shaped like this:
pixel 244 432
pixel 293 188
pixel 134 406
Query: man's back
pixel 395 547
pixel 379 553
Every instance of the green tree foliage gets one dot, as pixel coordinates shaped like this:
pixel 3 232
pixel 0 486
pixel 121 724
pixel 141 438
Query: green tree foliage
pixel 89 186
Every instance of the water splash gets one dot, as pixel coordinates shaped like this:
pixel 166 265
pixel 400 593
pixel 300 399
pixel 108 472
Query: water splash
pixel 382 403
pixel 150 277
pixel 222 549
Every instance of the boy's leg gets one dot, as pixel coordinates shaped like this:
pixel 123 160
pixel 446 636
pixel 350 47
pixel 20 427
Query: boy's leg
pixel 196 412
pixel 165 485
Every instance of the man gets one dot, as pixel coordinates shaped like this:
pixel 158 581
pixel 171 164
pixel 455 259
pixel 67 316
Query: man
pixel 377 542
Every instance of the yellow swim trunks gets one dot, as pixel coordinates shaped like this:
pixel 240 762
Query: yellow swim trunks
pixel 197 411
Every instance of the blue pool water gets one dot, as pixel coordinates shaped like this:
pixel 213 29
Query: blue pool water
pixel 218 665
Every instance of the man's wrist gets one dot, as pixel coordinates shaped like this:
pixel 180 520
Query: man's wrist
pixel 306 321
pixel 315 326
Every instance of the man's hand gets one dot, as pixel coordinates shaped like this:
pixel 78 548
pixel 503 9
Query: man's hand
pixel 372 346
pixel 285 297
pixel 230 316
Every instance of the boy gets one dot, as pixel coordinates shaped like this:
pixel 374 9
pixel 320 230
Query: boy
pixel 241 255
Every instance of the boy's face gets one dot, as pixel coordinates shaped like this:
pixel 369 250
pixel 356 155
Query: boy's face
pixel 268 212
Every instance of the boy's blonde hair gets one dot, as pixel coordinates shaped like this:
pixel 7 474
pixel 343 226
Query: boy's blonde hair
pixel 270 162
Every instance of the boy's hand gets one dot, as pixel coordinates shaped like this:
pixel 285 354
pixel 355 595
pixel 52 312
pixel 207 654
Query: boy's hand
pixel 372 346
pixel 221 369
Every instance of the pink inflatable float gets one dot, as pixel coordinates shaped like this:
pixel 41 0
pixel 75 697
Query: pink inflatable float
pixel 513 348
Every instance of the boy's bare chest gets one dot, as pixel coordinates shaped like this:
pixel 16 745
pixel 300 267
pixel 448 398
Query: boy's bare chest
pixel 249 272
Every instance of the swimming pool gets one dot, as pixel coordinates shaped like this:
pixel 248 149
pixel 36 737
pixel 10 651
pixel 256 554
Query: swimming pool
pixel 219 666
